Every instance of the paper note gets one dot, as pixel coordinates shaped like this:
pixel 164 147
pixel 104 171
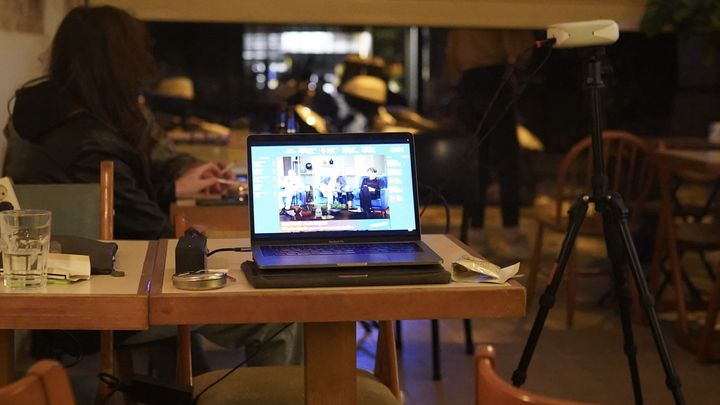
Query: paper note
pixel 470 269
pixel 64 266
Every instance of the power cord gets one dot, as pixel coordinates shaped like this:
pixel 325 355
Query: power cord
pixel 235 249
pixel 242 363
pixel 443 201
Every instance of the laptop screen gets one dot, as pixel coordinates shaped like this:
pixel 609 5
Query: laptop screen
pixel 332 185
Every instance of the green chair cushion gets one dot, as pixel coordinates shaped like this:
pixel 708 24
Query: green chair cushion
pixel 282 385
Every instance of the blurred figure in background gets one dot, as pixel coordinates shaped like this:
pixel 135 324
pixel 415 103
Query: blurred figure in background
pixel 477 62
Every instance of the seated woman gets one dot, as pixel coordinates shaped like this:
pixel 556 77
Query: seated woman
pixel 87 110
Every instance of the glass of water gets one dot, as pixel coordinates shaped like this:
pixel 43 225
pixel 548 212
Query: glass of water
pixel 25 243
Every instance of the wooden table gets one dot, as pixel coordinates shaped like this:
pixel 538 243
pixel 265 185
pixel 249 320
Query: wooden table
pixel 329 314
pixel 705 162
pixel 101 303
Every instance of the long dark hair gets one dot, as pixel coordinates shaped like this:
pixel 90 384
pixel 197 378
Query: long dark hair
pixel 101 58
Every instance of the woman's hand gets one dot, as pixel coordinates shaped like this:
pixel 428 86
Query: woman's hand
pixel 197 179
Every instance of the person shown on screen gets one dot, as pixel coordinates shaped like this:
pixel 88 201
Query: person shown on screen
pixel 331 186
pixel 369 190
pixel 291 186
pixel 88 109
pixel 340 188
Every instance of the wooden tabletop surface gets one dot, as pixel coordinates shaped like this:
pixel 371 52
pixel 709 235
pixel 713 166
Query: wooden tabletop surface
pixel 103 302
pixel 702 161
pixel 239 302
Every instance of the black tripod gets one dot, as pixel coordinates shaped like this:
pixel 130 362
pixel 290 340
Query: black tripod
pixel 620 248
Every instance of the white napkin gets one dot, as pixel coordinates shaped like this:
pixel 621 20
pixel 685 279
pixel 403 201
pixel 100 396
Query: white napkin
pixel 470 269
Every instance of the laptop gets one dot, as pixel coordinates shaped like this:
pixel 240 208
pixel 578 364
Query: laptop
pixel 334 200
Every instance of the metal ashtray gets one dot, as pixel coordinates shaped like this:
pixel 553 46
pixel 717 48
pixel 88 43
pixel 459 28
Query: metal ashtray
pixel 200 280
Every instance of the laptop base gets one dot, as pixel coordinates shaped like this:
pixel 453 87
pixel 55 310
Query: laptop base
pixel 344 277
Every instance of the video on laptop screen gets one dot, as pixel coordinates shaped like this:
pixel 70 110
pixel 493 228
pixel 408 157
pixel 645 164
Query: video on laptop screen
pixel 344 187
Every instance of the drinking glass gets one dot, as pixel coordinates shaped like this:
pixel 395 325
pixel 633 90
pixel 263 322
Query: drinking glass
pixel 25 243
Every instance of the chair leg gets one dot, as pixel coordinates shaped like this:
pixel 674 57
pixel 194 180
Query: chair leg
pixel 706 263
pixel 464 225
pixel 534 265
pixel 570 295
pixel 658 258
pixel 469 344
pixel 398 334
pixel 436 373
pixel 706 337
pixel 695 294
pixel 107 363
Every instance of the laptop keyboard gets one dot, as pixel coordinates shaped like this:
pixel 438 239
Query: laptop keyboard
pixel 342 249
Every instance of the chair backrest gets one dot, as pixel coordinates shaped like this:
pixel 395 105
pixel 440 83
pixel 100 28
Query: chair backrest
pixel 490 389
pixel 628 166
pixel 71 203
pixel 46 383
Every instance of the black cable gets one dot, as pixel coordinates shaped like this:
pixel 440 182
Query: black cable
pixel 516 96
pixel 428 200
pixel 112 382
pixel 242 363
pixel 235 249
pixel 443 201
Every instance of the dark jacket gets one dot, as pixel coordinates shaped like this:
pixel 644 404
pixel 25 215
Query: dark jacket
pixel 48 143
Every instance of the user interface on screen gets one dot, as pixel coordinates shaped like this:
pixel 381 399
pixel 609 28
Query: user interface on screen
pixel 318 188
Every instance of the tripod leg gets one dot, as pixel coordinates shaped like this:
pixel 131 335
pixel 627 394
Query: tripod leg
pixel 547 300
pixel 672 380
pixel 616 253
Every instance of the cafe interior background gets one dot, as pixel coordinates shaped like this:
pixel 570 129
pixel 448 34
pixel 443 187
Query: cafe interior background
pixel 243 60
pixel 232 67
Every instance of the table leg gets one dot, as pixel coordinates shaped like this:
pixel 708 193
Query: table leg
pixel 184 356
pixel 386 365
pixel 7 353
pixel 330 376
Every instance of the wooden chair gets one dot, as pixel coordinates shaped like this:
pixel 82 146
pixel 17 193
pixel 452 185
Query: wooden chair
pixel 630 172
pixel 693 234
pixel 285 384
pixel 674 237
pixel 45 383
pixel 490 389
pixel 62 200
